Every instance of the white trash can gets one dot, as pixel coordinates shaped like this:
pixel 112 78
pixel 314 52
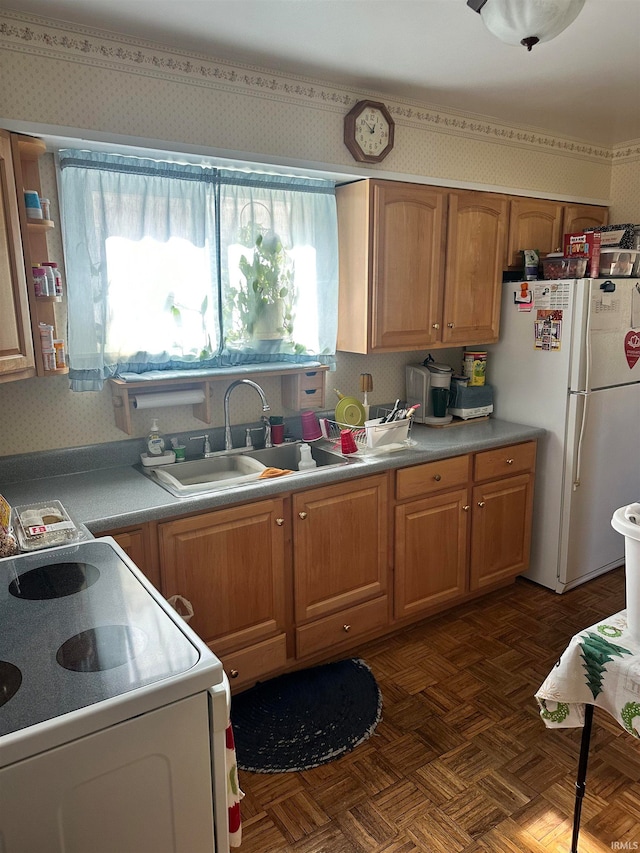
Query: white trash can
pixel 626 520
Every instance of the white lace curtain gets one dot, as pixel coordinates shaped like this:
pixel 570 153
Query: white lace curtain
pixel 174 266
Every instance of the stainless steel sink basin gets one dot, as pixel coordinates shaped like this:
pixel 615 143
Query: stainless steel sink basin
pixel 288 455
pixel 229 470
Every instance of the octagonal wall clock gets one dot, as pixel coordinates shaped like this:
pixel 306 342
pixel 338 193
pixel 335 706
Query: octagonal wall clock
pixel 368 131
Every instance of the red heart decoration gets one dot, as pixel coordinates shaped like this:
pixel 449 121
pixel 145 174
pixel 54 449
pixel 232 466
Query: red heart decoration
pixel 632 347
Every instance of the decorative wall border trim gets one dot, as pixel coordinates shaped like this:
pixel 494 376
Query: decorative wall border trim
pixel 627 153
pixel 75 43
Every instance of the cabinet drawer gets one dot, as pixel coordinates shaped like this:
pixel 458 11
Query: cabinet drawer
pixel 303 390
pixel 431 477
pixel 515 459
pixel 248 665
pixel 346 625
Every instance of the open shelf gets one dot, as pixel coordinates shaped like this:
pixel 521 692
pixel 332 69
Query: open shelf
pixel 123 393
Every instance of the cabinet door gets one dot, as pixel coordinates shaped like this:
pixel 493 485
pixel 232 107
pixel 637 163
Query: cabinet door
pixel 577 217
pixel 230 565
pixel 476 236
pixel 501 530
pixel 407 273
pixel 533 224
pixel 339 546
pixel 16 343
pixel 137 543
pixel 430 552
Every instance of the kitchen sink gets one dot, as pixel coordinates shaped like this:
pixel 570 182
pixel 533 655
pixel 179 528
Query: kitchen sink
pixel 237 468
pixel 288 455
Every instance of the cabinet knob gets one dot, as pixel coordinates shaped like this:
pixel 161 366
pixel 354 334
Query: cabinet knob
pixel 450 325
pixel 435 326
pixel 346 628
pixel 279 521
pixel 437 477
pixel 302 515
pixel 466 507
pixel 509 461
pixel 233 673
pixel 480 503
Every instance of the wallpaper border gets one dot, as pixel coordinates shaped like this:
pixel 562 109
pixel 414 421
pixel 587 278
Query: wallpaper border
pixel 74 43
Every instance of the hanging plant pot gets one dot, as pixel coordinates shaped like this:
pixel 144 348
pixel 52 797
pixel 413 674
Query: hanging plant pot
pixel 269 325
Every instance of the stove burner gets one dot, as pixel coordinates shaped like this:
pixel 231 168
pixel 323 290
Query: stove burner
pixel 10 681
pixel 101 648
pixel 56 580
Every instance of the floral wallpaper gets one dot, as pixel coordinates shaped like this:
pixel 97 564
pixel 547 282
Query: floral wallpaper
pixel 81 82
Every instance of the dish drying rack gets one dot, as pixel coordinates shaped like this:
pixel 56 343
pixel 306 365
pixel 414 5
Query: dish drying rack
pixel 373 436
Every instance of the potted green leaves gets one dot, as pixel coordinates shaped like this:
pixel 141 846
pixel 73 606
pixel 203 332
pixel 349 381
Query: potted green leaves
pixel 264 300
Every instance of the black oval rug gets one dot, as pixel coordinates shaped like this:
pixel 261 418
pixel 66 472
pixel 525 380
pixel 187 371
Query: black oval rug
pixel 304 719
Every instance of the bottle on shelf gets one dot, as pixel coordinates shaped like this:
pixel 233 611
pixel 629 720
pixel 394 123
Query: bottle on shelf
pixel 54 278
pixel 47 346
pixel 60 354
pixel 40 284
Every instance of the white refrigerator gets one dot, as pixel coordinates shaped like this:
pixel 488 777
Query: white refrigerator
pixel 568 361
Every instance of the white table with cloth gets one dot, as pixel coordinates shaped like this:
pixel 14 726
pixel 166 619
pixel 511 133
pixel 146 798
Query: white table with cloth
pixel 600 667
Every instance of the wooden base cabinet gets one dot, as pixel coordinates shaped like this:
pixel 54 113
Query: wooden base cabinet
pixel 431 552
pixel 502 514
pixel 230 564
pixel 461 524
pixel 340 562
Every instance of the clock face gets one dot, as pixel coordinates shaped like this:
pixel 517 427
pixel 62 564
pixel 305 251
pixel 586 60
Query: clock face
pixel 368 131
pixel 372 132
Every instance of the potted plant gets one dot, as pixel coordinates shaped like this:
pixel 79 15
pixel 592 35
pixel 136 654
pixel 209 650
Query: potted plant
pixel 264 300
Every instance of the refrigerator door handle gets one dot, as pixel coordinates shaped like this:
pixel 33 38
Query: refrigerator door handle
pixel 587 389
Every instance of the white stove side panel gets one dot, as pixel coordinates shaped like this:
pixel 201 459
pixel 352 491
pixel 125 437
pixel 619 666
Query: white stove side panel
pixel 143 785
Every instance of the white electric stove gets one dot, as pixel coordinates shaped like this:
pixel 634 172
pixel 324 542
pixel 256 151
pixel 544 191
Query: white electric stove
pixel 112 711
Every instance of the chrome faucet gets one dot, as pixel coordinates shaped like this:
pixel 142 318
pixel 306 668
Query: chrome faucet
pixel 228 441
pixel 206 448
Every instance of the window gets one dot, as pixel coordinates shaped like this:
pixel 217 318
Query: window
pixel 174 266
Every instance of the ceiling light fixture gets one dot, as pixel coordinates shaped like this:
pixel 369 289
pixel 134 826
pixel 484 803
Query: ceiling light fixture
pixel 526 22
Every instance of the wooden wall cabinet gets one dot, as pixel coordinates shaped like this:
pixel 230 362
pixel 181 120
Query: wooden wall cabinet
pixel 340 563
pixel 26 151
pixel 420 266
pixel 230 564
pixel 17 359
pixel 476 236
pixel 540 224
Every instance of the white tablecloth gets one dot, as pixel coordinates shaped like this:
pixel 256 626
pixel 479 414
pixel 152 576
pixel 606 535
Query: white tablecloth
pixel 600 666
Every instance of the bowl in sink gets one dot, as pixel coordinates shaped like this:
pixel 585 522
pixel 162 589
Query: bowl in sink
pixel 205 475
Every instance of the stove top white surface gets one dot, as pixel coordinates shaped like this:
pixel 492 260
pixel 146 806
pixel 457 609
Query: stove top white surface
pixel 85 642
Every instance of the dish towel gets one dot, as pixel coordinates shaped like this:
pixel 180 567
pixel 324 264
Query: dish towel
pixel 234 794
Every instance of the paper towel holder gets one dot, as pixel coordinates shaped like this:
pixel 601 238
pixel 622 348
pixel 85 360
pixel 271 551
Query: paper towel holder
pixel 124 393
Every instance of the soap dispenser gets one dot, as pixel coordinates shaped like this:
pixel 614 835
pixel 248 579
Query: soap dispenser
pixel 155 442
pixel 306 460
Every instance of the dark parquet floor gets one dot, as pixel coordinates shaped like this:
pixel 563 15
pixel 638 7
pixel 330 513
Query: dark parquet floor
pixel 461 761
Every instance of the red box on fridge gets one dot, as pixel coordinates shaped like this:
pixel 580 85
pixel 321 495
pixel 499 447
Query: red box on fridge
pixel 581 245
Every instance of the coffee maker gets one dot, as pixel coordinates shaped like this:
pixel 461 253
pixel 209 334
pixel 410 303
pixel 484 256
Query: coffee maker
pixel 421 380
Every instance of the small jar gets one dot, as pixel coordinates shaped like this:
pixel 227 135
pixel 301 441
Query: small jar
pixel 46 338
pixel 61 358
pixel 45 206
pixel 39 281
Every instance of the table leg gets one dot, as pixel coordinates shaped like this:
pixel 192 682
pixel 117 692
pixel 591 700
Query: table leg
pixel 582 775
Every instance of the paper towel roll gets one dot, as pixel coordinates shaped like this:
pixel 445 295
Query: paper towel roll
pixel 168 398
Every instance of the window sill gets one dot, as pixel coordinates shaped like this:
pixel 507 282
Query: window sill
pixel 301 383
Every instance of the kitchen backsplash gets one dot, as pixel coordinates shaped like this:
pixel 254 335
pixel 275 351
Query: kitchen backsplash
pixel 43 414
